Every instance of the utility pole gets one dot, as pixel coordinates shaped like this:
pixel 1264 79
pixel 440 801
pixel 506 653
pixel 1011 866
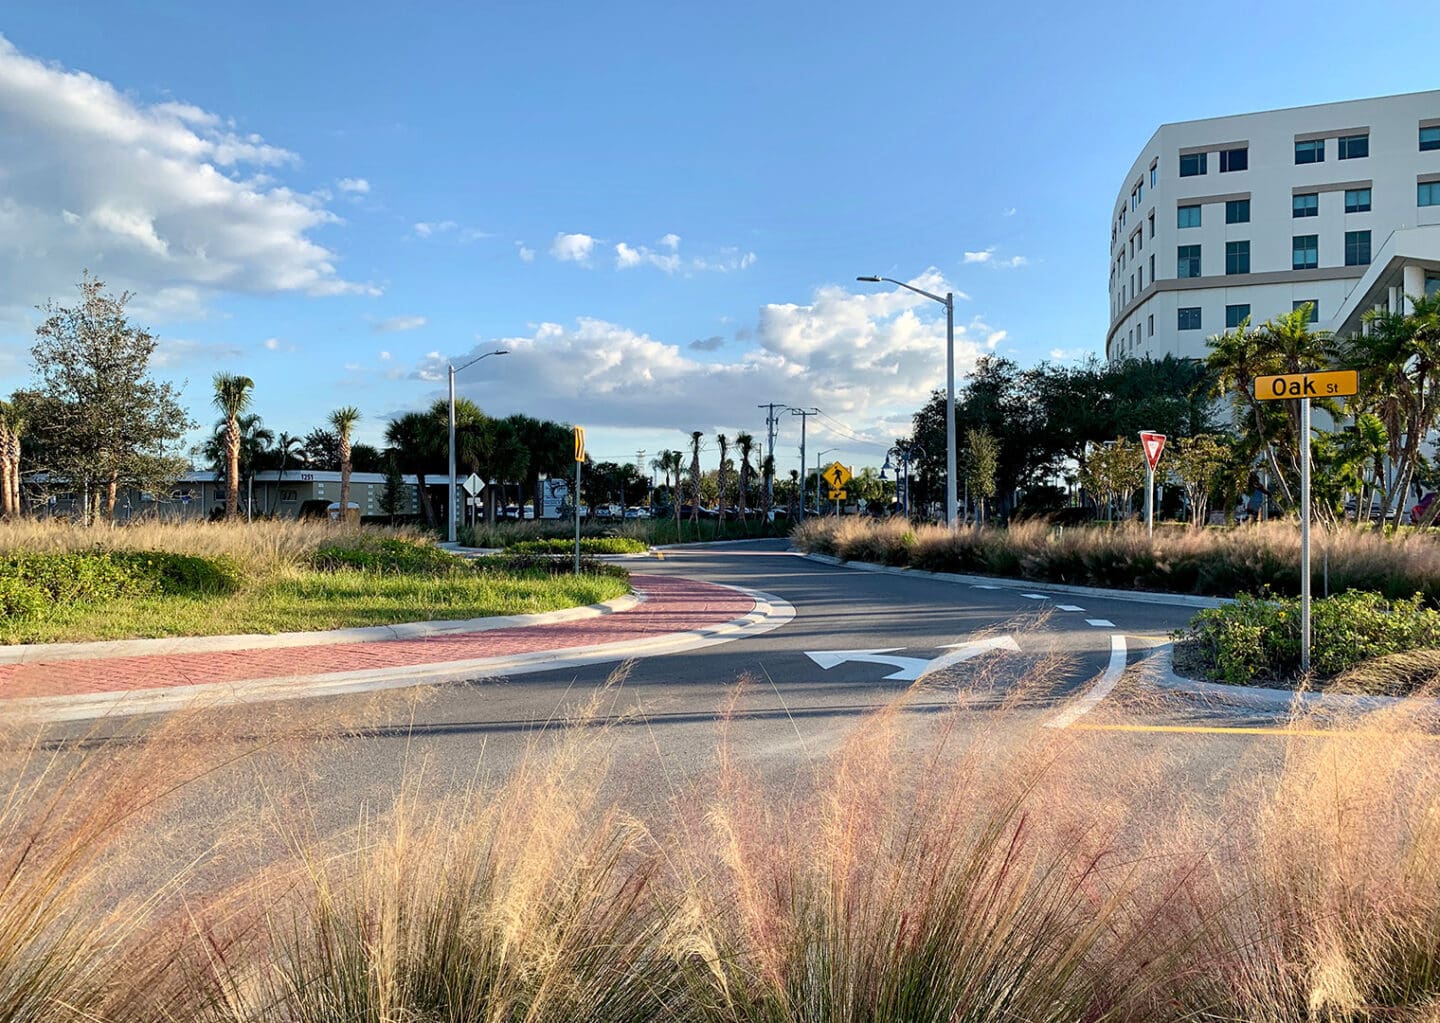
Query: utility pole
pixel 639 471
pixel 804 414
pixel 770 424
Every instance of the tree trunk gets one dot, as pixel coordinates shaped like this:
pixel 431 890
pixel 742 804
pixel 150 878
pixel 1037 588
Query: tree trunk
pixel 427 510
pixel 112 486
pixel 5 488
pixel 232 468
pixel 344 479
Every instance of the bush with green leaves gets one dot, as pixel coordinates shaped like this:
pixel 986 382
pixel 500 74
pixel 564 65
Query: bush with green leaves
pixel 545 564
pixel 387 555
pixel 34 582
pixel 1255 640
pixel 588 545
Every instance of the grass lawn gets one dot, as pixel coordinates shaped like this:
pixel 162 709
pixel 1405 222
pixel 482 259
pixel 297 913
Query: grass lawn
pixel 280 590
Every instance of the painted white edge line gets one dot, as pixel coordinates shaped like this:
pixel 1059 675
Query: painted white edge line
pixel 1098 691
pixel 982 582
pixel 105 649
pixel 770 612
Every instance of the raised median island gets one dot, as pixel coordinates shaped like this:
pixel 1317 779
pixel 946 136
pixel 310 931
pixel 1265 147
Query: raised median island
pixel 62 583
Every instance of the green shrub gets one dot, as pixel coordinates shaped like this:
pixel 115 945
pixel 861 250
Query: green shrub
pixel 588 545
pixel 544 564
pixel 1256 640
pixel 387 556
pixel 34 582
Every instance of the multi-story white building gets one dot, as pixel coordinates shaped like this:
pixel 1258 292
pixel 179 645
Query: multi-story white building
pixel 1336 205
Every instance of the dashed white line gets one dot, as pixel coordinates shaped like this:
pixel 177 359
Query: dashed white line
pixel 1099 690
pixel 1100 623
pixel 985 586
pixel 1034 596
pixel 1068 607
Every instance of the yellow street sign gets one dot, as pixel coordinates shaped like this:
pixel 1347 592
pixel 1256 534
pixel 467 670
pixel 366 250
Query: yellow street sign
pixel 837 495
pixel 1334 384
pixel 836 475
pixel 579 443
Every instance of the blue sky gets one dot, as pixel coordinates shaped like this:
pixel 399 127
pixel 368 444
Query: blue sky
pixel 659 209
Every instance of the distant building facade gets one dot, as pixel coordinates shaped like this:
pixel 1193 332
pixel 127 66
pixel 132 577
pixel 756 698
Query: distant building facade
pixel 1336 206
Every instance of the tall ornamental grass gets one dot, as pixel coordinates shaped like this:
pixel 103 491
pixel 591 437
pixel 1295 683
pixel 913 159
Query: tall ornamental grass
pixel 962 864
pixel 1251 559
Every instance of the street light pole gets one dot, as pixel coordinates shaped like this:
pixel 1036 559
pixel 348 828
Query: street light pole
pixel 819 455
pixel 804 414
pixel 451 513
pixel 951 460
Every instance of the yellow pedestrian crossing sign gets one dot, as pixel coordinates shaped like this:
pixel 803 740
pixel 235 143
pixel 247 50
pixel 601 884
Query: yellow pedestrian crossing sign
pixel 837 476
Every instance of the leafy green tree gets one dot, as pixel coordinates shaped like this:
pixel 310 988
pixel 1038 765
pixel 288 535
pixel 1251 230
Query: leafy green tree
pixel 343 420
pixel 982 460
pixel 1398 359
pixel 97 415
pixel 392 498
pixel 414 442
pixel 1114 471
pixel 1202 465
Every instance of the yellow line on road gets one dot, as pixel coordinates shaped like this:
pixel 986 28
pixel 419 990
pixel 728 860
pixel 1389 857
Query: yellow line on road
pixel 1239 730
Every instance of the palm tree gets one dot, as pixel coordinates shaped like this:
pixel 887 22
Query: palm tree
pixel 695 477
pixel 12 426
pixel 344 420
pixel 414 437
pixel 746 444
pixel 720 480
pixel 232 397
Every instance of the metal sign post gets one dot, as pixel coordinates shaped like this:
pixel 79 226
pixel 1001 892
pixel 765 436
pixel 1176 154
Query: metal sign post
pixel 1153 444
pixel 1304 387
pixel 579 461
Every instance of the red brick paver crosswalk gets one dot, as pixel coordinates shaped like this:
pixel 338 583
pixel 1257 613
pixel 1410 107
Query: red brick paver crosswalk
pixel 671 605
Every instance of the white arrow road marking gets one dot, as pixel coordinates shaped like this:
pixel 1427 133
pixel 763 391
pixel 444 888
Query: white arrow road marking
pixel 1068 607
pixel 971 648
pixel 1100 623
pixel 1098 691
pixel 911 669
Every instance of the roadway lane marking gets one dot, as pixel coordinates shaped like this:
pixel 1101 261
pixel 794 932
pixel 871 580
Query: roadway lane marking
pixel 1249 730
pixel 1098 691
pixel 914 669
pixel 1100 623
pixel 1068 607
pixel 984 586
pixel 1034 596
pixel 964 651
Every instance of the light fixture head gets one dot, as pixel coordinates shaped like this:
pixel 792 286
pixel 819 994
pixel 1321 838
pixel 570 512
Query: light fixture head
pixel 871 280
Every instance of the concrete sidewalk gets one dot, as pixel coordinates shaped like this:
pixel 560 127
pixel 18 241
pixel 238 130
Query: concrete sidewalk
pixel 672 614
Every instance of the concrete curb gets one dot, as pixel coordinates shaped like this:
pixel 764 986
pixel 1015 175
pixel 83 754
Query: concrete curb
pixel 770 613
pixel 23 653
pixel 1136 596
pixel 1162 660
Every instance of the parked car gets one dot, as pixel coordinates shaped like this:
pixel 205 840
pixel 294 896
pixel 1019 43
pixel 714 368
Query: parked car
pixel 1418 512
pixel 637 512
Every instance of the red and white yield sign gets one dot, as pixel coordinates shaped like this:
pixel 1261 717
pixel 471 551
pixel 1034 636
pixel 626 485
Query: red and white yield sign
pixel 1153 443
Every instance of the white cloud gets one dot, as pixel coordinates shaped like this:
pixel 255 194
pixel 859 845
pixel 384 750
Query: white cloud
pixel 708 344
pixel 1015 261
pixel 396 324
pixel 572 248
pixel 171 352
pixel 164 199
pixel 1008 211
pixel 983 256
pixel 626 257
pixel 987 257
pixel 671 241
pixel 868 359
pixel 526 254
pixel 272 343
pixel 427 229
pixel 385 356
pixel 356 186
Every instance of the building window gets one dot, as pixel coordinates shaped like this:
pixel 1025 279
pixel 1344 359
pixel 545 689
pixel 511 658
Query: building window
pixel 1192 165
pixel 1306 205
pixel 1142 278
pixel 1427 193
pixel 1154 173
pixel 1310 152
pixel 1187 261
pixel 1305 252
pixel 1237 211
pixel 1237 257
pixel 1152 223
pixel 1429 139
pixel 1234 160
pixel 1189 318
pixel 1313 303
pixel 1187 216
pixel 1357 248
pixel 1150 325
pixel 288 497
pixel 1352 147
pixel 1152 267
pixel 1357 200
pixel 1236 315
pixel 1432 285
